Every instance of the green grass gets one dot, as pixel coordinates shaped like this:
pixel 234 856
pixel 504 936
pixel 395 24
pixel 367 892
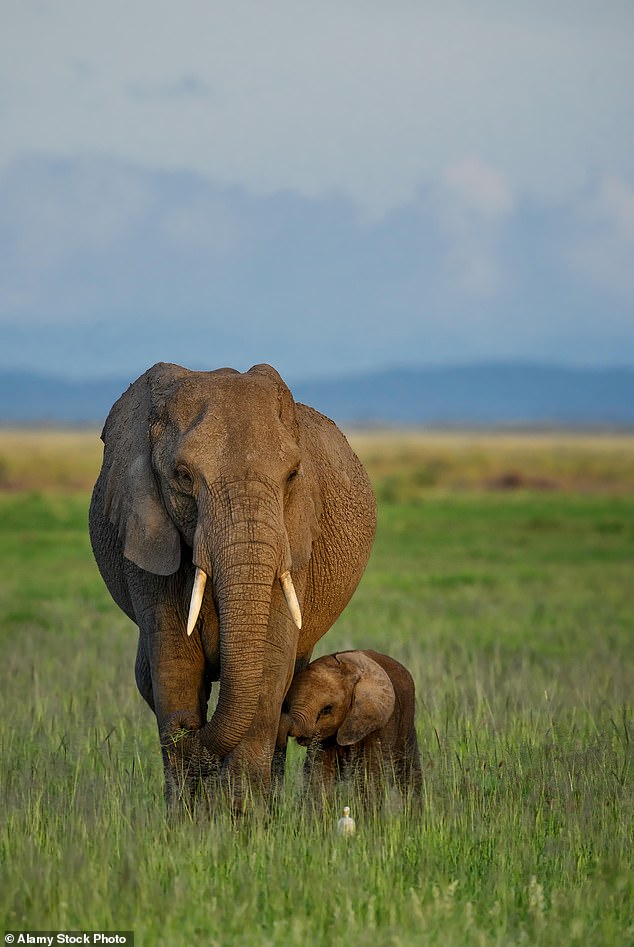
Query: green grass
pixel 514 612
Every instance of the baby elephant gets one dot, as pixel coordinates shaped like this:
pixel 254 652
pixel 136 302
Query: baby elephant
pixel 354 710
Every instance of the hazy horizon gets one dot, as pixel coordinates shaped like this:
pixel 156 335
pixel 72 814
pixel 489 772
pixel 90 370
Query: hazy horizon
pixel 340 375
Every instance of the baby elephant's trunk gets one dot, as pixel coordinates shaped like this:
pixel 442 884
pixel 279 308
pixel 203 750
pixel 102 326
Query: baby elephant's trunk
pixel 283 731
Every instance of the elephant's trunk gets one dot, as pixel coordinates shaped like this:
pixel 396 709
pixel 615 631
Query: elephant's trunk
pixel 300 727
pixel 242 551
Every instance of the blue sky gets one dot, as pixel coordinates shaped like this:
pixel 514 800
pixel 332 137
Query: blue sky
pixel 329 187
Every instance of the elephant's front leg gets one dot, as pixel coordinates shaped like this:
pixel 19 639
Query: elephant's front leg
pixel 180 692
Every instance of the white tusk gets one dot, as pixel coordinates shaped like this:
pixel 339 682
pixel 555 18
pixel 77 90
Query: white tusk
pixel 291 598
pixel 198 590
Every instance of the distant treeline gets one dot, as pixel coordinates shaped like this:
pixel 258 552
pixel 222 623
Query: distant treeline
pixel 465 395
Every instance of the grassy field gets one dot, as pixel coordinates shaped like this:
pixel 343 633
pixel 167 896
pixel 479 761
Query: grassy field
pixel 511 600
pixel 403 465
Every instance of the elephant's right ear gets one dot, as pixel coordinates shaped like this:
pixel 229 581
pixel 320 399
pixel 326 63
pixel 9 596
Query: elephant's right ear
pixel 133 502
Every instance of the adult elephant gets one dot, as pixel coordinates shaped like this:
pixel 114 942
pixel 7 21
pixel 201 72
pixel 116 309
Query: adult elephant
pixel 232 525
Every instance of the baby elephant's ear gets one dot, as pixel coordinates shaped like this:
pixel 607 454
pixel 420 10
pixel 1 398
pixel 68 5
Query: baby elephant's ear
pixel 373 699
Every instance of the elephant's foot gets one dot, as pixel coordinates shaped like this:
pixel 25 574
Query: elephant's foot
pixel 194 778
pixel 246 780
pixel 192 774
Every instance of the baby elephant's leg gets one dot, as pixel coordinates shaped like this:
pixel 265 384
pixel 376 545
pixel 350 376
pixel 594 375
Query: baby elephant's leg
pixel 409 777
pixel 371 771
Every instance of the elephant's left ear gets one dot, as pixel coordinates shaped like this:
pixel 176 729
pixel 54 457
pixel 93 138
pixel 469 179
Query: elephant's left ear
pixel 133 503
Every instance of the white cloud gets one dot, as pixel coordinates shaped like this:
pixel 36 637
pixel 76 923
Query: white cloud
pixel 54 216
pixel 614 204
pixel 482 187
pixel 470 207
pixel 56 211
pixel 112 261
pixel 204 225
pixel 602 247
pixel 184 87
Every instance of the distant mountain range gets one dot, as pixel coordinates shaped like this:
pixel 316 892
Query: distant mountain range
pixel 467 395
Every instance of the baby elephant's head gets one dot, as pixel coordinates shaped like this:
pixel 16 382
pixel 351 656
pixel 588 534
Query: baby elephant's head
pixel 347 695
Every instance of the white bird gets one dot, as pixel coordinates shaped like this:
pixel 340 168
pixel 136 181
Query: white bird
pixel 346 825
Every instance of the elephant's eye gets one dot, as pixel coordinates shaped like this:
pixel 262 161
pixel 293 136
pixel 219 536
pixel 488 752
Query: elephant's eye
pixel 184 478
pixel 292 475
pixel 325 711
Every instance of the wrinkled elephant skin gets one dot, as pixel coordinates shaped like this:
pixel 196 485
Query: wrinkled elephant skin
pixel 222 482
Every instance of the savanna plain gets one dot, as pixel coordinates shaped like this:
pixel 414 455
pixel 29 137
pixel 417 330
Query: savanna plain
pixel 501 576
